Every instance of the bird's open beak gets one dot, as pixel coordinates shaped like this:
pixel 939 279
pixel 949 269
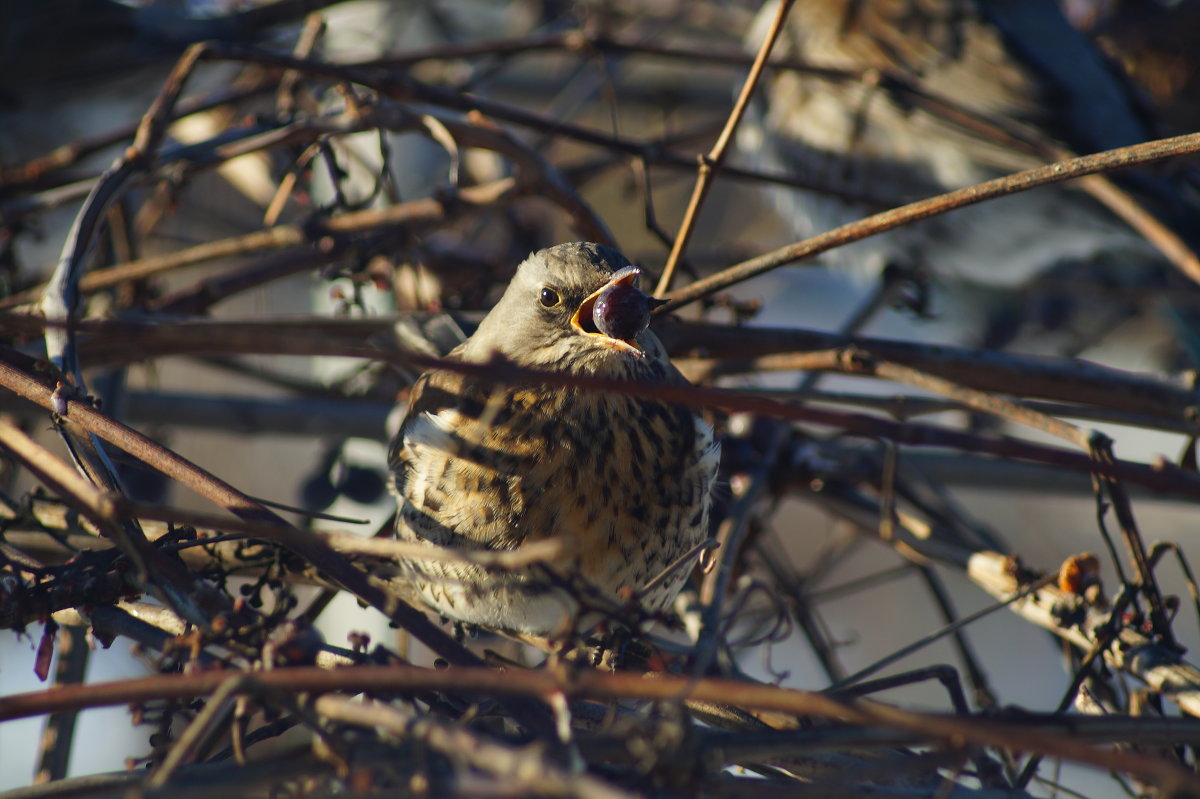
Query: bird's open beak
pixel 584 322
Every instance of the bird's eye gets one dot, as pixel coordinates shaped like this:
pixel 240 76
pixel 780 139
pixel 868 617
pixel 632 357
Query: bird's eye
pixel 550 298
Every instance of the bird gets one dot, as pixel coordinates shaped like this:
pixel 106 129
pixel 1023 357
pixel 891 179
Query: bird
pixel 963 91
pixel 624 483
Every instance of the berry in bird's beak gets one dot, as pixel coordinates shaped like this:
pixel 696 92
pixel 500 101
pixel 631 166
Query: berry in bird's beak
pixel 617 313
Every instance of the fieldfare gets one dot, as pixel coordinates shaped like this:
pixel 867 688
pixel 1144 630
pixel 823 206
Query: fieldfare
pixel 624 483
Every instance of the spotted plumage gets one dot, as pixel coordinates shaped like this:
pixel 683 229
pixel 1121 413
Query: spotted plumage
pixel 623 482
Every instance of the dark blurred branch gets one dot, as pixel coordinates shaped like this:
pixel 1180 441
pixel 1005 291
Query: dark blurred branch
pixel 1162 475
pixel 753 349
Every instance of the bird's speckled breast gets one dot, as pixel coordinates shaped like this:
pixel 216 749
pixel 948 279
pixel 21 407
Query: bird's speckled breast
pixel 623 481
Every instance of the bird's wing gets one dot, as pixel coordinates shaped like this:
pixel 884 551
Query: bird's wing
pixel 445 446
pixel 431 396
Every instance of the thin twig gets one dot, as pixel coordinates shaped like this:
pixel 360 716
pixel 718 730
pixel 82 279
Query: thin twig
pixel 937 635
pixel 1146 153
pixel 709 164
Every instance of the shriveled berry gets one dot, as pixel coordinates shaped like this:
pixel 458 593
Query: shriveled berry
pixel 621 311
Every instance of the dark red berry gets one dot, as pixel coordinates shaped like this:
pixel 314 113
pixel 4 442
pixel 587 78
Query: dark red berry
pixel 621 311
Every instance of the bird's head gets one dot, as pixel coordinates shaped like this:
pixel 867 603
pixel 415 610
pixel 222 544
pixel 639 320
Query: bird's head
pixel 573 307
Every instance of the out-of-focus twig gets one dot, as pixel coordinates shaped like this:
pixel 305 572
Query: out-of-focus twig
pixel 533 170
